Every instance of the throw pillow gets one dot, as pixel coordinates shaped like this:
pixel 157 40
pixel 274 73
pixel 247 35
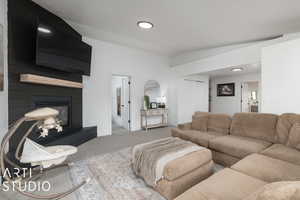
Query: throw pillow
pixel 294 136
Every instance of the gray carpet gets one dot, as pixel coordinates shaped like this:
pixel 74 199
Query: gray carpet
pixel 118 130
pixel 60 179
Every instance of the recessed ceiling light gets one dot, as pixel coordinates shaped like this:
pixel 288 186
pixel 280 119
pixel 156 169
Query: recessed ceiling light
pixel 44 30
pixel 145 25
pixel 237 69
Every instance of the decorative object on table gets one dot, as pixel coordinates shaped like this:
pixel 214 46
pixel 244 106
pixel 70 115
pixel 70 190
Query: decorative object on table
pixel 146 102
pixel 226 90
pixel 40 157
pixel 162 102
pixel 147 115
pixel 1 59
pixel 119 101
pixel 153 105
pixel 161 105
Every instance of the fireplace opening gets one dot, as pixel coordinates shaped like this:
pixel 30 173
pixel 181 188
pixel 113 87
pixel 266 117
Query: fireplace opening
pixel 62 104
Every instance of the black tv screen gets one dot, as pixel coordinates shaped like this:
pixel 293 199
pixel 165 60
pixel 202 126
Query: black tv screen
pixel 61 51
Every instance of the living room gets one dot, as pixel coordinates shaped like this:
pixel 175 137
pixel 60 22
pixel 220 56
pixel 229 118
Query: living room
pixel 204 83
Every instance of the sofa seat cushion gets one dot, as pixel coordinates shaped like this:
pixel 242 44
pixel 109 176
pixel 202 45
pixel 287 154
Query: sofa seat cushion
pixel 224 159
pixel 197 137
pixel 227 184
pixel 277 191
pixel 284 153
pixel 268 169
pixel 237 146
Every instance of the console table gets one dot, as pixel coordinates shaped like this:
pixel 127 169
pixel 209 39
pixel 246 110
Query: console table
pixel 146 115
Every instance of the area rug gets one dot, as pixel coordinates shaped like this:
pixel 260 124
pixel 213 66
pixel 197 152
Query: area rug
pixel 112 179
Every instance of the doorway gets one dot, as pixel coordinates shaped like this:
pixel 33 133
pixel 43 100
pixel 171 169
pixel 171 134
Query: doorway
pixel 250 97
pixel 121 123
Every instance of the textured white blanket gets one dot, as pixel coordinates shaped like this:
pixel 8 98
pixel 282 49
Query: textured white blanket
pixel 150 159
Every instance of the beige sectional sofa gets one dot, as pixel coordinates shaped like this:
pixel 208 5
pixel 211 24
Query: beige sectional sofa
pixel 260 149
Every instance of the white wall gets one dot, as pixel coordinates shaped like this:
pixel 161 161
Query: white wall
pixel 281 78
pixel 109 59
pixel 3 95
pixel 191 97
pixel 229 105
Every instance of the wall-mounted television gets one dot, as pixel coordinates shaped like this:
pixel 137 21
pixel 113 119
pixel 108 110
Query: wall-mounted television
pixel 59 50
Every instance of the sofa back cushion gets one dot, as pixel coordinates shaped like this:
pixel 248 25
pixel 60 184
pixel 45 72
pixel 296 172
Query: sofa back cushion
pixel 255 125
pixel 284 125
pixel 199 122
pixel 219 123
pixel 294 137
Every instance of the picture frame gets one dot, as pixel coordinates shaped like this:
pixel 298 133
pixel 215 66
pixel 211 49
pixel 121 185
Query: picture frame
pixel 226 90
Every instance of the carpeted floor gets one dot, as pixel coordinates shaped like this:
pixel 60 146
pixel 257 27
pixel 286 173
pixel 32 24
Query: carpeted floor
pixel 60 179
pixel 118 130
pixel 106 161
pixel 112 178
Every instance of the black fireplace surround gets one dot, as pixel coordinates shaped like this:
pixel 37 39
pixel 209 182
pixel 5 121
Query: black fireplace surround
pixel 25 97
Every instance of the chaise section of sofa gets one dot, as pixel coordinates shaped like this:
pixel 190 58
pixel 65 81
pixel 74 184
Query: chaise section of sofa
pixel 249 133
pixel 268 169
pixel 203 128
pixel 227 184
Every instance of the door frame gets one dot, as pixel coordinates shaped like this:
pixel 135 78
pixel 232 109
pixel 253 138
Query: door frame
pixel 242 100
pixel 129 99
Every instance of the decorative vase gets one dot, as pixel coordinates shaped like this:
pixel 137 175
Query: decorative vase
pixel 147 102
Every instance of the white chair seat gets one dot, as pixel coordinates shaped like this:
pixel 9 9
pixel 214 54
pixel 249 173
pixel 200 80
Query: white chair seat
pixel 46 156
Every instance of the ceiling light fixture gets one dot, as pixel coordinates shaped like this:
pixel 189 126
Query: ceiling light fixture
pixel 145 25
pixel 237 69
pixel 44 30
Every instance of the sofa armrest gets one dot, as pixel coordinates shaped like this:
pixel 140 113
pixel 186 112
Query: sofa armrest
pixel 186 126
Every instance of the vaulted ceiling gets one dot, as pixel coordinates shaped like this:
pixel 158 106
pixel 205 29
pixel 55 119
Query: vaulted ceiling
pixel 179 25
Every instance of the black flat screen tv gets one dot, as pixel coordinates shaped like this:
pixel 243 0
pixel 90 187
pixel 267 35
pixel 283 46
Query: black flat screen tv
pixel 61 51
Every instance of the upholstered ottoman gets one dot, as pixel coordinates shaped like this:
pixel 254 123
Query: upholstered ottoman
pixel 180 166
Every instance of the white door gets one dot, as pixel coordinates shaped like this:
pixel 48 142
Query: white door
pixel 126 103
pixel 250 97
pixel 245 98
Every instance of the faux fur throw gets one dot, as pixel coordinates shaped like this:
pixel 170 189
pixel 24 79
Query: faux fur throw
pixel 278 191
pixel 150 159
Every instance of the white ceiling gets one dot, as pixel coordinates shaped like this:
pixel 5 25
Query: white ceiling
pixel 179 25
pixel 247 69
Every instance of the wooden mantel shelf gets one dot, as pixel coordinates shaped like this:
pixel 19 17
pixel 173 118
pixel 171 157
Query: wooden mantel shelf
pixel 36 79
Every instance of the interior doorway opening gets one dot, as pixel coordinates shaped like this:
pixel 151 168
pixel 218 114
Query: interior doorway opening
pixel 121 104
pixel 250 97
